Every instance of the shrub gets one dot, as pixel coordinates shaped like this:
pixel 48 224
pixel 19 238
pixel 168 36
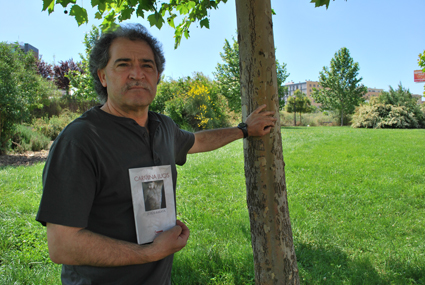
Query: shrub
pixel 27 139
pixel 384 116
pixel 53 126
pixel 193 103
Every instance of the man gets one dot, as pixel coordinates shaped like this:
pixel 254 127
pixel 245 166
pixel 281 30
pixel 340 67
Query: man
pixel 86 203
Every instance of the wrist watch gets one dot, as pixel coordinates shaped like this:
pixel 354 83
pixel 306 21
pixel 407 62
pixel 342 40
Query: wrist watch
pixel 244 128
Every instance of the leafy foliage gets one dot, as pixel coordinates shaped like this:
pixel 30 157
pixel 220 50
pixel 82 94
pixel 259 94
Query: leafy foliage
pixel 228 76
pixel 298 103
pixel 379 116
pixel 61 73
pixel 21 90
pixel 45 69
pixel 80 80
pixel 193 103
pixel 27 139
pixel 396 108
pixel 318 3
pixel 51 127
pixel 341 90
pixel 156 12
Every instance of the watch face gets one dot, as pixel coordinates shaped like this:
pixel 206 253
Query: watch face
pixel 242 125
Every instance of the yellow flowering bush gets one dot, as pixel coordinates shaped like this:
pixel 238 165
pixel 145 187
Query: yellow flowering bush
pixel 192 102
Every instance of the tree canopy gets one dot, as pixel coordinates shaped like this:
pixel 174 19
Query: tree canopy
pixel 298 103
pixel 228 76
pixel 156 12
pixel 341 89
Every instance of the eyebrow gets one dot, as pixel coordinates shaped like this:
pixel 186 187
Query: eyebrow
pixel 129 60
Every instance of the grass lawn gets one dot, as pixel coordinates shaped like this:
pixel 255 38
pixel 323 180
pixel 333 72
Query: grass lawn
pixel 356 199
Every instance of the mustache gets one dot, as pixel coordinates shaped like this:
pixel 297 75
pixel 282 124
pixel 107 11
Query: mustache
pixel 137 84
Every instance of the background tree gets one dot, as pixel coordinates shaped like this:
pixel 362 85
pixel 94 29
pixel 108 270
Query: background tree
pixel 45 69
pixel 21 90
pixel 80 80
pixel 341 90
pixel 228 76
pixel 61 73
pixel 300 103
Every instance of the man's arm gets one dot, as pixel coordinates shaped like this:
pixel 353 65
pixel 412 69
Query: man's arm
pixel 78 246
pixel 259 124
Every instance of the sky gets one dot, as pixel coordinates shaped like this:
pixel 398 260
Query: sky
pixel 384 36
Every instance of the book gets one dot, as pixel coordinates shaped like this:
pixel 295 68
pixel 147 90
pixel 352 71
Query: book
pixel 153 201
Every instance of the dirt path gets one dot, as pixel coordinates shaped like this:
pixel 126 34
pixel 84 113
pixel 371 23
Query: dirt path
pixel 28 158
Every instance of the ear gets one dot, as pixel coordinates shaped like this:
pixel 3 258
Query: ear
pixel 102 76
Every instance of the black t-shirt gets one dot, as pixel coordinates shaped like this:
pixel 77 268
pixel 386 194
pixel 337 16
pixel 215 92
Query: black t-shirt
pixel 86 184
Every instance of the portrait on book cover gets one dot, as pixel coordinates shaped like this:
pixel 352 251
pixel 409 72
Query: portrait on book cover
pixel 153 194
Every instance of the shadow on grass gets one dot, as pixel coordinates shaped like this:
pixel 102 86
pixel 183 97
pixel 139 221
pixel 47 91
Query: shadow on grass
pixel 332 266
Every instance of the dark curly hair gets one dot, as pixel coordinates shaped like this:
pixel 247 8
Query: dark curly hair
pixel 99 55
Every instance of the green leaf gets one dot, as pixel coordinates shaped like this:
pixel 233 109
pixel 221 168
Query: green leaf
pixel 170 20
pixel 205 23
pixel 147 5
pixel 65 3
pixel 186 34
pixel 48 5
pixel 140 12
pixel 126 14
pixel 80 14
pixel 156 20
pixel 182 8
pixel 98 15
pixel 101 5
pixel 319 3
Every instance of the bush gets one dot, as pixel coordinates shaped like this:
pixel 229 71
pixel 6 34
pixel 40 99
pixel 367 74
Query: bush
pixel 384 116
pixel 193 103
pixel 27 139
pixel 53 126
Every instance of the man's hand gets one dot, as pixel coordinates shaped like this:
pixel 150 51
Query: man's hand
pixel 172 240
pixel 260 123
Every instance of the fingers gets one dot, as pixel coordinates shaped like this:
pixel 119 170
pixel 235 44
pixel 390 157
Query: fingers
pixel 260 122
pixel 259 109
pixel 184 230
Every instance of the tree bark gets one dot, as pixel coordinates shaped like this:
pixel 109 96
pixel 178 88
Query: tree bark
pixel 274 255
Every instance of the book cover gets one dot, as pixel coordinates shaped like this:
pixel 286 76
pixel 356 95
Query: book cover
pixel 153 201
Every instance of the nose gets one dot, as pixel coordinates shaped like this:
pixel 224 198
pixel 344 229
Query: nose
pixel 136 73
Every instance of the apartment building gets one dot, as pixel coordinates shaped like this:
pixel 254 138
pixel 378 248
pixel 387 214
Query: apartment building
pixel 307 88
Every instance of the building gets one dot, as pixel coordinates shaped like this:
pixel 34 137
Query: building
pixel 27 47
pixel 372 92
pixel 307 88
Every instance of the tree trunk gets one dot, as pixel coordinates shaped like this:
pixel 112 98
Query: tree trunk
pixel 295 118
pixel 342 117
pixel 274 255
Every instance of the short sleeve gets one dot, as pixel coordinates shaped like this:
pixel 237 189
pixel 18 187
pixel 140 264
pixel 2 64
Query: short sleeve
pixel 69 186
pixel 183 142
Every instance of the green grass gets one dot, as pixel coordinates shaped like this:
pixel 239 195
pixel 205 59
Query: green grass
pixel 356 200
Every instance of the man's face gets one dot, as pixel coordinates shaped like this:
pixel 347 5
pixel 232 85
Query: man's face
pixel 131 75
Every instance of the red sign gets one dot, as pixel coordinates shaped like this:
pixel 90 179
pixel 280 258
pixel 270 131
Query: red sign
pixel 419 76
